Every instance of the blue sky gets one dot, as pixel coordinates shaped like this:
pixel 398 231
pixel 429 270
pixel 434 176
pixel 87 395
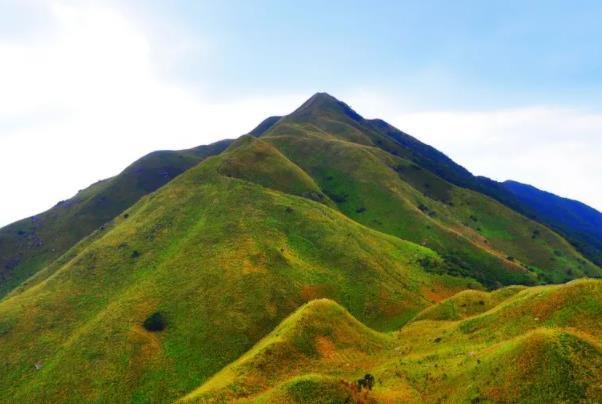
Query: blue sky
pixel 449 54
pixel 508 89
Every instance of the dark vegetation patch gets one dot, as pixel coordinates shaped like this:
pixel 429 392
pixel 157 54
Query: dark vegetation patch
pixel 425 209
pixel 366 382
pixel 430 186
pixel 337 197
pixel 155 322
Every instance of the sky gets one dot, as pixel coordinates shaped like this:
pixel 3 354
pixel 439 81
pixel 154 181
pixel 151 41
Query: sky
pixel 507 89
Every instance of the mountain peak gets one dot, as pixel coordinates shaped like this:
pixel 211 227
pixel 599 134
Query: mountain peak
pixel 323 104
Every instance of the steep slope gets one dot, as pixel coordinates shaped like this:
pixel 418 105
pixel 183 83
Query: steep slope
pixel 557 358
pixel 574 224
pixel 224 260
pixel 477 236
pixel 30 244
pixel 579 223
pixel 571 219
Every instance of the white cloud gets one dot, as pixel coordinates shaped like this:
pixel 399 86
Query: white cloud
pixel 81 102
pixel 553 148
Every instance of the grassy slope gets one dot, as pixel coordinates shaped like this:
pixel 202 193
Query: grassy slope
pixel 225 260
pixel 29 245
pixel 477 235
pixel 581 224
pixel 574 223
pixel 538 344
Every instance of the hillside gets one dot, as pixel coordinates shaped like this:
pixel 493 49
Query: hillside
pixel 581 224
pixel 476 235
pixel 29 245
pixel 577 222
pixel 540 353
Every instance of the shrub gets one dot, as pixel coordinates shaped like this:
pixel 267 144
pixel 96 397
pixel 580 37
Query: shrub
pixel 155 322
pixel 135 254
pixel 366 382
pixel 338 198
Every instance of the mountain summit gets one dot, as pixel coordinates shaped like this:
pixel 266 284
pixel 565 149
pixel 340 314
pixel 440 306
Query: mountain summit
pixel 324 104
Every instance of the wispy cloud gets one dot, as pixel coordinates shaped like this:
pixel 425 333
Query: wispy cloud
pixel 80 102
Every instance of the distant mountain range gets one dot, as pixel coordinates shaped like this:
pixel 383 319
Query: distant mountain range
pixel 282 266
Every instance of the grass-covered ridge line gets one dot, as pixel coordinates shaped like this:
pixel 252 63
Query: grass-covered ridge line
pixel 546 348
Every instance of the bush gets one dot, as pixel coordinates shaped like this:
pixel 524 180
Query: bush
pixel 155 322
pixel 367 382
pixel 338 198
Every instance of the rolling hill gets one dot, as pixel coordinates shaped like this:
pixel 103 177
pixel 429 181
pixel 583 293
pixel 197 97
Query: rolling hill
pixel 319 247
pixel 543 351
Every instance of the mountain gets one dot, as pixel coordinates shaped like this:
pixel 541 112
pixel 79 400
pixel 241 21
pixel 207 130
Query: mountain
pixel 579 223
pixel 224 255
pixel 314 249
